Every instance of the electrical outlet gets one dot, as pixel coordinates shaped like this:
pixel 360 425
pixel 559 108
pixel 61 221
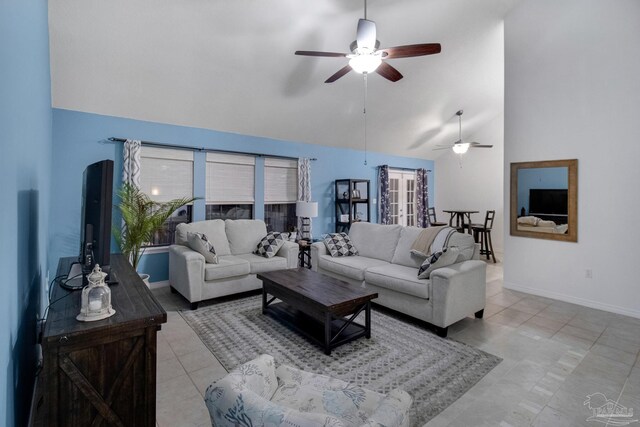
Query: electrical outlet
pixel 588 273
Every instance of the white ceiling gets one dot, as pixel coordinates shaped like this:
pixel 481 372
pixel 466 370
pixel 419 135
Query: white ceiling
pixel 229 66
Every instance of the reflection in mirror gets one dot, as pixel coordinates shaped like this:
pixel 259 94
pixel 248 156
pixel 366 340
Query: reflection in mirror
pixel 544 199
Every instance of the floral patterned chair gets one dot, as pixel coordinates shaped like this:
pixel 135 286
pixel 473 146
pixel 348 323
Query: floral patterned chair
pixel 258 394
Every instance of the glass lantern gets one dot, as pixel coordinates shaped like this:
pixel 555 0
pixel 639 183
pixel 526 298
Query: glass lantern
pixel 96 298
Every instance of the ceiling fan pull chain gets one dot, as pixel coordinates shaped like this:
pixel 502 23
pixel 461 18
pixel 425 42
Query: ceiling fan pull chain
pixel 364 112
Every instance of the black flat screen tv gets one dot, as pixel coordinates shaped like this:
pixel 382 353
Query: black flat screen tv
pixel 97 203
pixel 548 202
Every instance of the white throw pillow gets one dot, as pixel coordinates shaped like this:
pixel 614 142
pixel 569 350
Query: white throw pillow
pixel 199 243
pixel 270 244
pixel 437 260
pixel 339 244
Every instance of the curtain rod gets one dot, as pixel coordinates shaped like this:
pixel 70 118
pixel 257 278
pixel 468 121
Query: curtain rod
pixel 212 150
pixel 407 169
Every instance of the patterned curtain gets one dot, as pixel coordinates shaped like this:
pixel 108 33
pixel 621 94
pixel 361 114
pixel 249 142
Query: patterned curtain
pixel 383 194
pixel 304 187
pixel 422 198
pixel 131 164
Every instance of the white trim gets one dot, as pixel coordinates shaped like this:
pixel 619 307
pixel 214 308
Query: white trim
pixel 156 250
pixel 574 300
pixel 159 284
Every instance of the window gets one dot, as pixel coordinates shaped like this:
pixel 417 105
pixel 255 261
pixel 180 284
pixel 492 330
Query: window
pixel 280 194
pixel 167 174
pixel 230 186
pixel 402 198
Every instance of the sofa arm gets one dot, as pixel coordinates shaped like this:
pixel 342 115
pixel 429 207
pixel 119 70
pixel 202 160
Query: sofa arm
pixel 393 410
pixel 317 250
pixel 458 291
pixel 290 251
pixel 186 272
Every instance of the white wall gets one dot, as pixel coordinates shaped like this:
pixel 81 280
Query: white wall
pixel 572 90
pixel 474 180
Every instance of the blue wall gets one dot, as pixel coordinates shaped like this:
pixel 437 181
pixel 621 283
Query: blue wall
pixel 25 123
pixel 79 139
pixel 540 178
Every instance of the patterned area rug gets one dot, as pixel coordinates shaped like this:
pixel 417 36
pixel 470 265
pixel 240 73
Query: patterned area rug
pixel 434 371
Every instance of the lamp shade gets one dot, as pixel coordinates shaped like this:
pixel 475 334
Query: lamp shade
pixel 366 63
pixel 307 209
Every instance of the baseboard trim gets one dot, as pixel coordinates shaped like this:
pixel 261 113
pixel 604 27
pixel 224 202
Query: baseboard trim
pixel 574 300
pixel 159 284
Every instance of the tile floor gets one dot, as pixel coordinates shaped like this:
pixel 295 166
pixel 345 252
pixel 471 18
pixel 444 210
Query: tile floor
pixel 555 355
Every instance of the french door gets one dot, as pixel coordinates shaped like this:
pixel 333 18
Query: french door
pixel 402 198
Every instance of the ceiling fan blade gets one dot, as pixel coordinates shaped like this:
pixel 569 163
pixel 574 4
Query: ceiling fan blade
pixel 410 50
pixel 482 146
pixel 388 72
pixel 341 72
pixel 366 34
pixel 442 148
pixel 315 53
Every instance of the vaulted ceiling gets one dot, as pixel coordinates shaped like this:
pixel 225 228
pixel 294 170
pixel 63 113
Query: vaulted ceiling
pixel 229 66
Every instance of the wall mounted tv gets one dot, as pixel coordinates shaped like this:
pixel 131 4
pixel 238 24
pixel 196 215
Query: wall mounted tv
pixel 97 201
pixel 548 202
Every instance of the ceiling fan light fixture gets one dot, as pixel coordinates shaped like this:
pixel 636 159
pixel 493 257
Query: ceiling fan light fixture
pixel 366 63
pixel 461 148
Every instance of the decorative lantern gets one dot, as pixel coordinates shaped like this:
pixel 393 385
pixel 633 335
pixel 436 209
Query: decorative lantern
pixel 96 298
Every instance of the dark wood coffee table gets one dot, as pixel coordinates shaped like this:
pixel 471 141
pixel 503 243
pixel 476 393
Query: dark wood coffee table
pixel 317 306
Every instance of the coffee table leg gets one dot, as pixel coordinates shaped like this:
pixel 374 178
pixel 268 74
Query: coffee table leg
pixel 367 320
pixel 327 334
pixel 264 300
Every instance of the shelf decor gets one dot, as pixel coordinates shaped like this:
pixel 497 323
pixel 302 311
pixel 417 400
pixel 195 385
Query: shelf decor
pixel 352 200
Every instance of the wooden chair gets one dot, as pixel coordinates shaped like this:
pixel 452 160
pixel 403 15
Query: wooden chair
pixel 482 235
pixel 431 213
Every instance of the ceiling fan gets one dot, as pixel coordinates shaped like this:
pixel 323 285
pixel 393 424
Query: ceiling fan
pixel 460 147
pixel 365 57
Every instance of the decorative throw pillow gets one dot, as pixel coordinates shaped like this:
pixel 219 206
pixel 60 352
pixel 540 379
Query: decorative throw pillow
pixel 199 243
pixel 339 244
pixel 436 260
pixel 270 244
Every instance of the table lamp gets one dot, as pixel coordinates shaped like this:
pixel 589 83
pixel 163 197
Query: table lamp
pixel 306 210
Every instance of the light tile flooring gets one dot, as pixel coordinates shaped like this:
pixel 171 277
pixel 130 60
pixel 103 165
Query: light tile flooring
pixel 555 355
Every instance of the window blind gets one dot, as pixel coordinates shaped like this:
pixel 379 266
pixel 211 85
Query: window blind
pixel 166 174
pixel 230 178
pixel 280 181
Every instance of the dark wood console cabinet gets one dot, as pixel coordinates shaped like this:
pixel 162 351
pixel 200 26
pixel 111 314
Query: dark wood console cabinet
pixel 100 373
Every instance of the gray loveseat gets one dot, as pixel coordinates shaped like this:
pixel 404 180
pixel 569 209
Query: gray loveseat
pixel 234 242
pixel 385 264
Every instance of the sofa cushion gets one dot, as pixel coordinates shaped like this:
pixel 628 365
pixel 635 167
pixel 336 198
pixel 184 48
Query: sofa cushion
pixel 440 259
pixel 260 264
pixel 214 230
pixel 375 240
pixel 199 243
pixel 352 267
pixel 399 278
pixel 270 244
pixel 227 266
pixel 244 234
pixel 466 245
pixel 403 255
pixel 339 244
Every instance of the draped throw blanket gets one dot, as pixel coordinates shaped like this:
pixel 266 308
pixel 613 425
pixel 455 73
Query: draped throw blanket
pixel 383 195
pixel 304 187
pixel 131 163
pixel 422 198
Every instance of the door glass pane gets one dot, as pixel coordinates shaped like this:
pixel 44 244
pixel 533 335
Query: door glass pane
pixel 410 201
pixel 394 199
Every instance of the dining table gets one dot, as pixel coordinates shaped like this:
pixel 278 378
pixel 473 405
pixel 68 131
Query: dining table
pixel 460 215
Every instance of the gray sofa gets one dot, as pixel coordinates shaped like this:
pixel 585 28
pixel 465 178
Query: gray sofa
pixel 234 242
pixel 385 264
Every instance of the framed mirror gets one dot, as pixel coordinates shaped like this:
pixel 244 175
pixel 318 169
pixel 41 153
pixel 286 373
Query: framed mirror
pixel 544 200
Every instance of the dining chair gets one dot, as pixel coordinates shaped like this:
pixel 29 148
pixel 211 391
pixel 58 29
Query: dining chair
pixel 482 235
pixel 431 213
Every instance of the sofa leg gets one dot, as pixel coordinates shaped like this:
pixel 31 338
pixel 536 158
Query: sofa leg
pixel 479 314
pixel 194 305
pixel 173 290
pixel 441 332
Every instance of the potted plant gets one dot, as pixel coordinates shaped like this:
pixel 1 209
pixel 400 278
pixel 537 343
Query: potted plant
pixel 141 218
